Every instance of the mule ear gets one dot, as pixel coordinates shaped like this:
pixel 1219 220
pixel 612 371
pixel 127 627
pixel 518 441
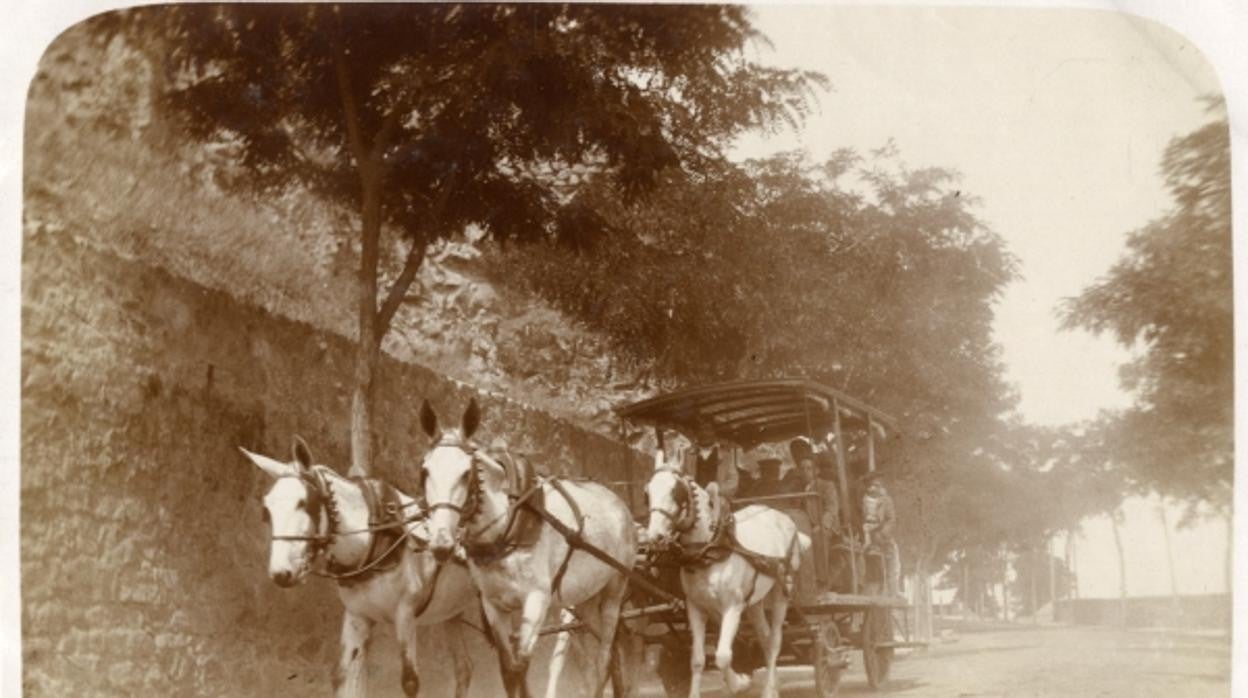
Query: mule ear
pixel 428 420
pixel 471 420
pixel 274 468
pixel 302 455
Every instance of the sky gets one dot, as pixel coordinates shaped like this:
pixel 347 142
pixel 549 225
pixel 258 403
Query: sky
pixel 1057 120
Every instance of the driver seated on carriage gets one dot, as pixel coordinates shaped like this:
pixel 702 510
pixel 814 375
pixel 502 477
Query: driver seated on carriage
pixel 706 460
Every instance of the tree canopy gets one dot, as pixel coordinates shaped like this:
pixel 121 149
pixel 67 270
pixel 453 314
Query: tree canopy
pixel 855 271
pixel 424 118
pixel 1169 297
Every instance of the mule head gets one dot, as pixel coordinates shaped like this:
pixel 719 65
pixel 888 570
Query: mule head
pixel 669 496
pixel 450 477
pixel 292 508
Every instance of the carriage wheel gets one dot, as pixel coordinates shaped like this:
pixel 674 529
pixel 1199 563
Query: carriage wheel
pixel 827 658
pixel 673 669
pixel 877 627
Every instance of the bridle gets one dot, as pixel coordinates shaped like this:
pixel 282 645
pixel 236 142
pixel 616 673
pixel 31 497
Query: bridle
pixel 320 499
pixel 472 500
pixel 686 515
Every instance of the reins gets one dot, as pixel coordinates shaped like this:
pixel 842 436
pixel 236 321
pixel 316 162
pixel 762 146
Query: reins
pixel 574 537
pixel 319 542
pixel 484 552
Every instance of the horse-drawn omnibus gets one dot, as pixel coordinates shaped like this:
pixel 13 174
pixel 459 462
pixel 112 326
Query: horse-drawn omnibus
pixel 850 605
pixel 496 524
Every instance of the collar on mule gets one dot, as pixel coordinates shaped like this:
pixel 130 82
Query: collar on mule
pixel 387 526
pixel 526 498
pixel 387 529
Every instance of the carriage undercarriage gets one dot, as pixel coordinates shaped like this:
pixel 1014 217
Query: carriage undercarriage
pixel 823 632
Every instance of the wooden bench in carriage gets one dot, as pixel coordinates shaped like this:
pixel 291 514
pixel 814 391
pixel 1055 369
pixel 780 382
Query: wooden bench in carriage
pixel 824 624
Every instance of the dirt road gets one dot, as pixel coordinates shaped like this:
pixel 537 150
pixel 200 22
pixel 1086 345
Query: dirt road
pixel 1045 661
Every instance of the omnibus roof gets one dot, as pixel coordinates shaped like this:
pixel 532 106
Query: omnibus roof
pixel 748 413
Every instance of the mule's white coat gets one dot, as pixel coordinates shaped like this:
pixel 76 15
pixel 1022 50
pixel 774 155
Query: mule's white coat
pixel 731 587
pixel 390 597
pixel 518 590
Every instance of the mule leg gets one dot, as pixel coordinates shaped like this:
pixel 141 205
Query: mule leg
pixel 350 675
pixel 524 639
pixel 405 631
pixel 501 629
pixel 697 657
pixel 459 656
pixel 531 618
pixel 763 631
pixel 779 607
pixel 559 656
pixel 723 653
pixel 611 598
pixel 628 648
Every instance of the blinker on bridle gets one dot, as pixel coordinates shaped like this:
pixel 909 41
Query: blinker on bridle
pixel 685 515
pixel 318 500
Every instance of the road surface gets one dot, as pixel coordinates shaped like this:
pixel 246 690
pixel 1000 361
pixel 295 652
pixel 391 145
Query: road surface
pixel 1035 661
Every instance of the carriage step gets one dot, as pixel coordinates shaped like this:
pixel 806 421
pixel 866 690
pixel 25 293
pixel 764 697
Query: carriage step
pixel 902 645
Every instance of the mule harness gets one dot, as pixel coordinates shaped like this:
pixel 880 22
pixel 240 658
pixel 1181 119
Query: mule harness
pixel 723 541
pixel 529 501
pixel 385 515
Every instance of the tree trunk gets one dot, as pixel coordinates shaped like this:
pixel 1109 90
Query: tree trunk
pixel 1115 520
pixel 1052 560
pixel 1228 565
pixel 1229 568
pixel 966 585
pixel 1005 585
pixel 1035 599
pixel 1175 608
pixel 1071 567
pixel 368 339
pixel 923 625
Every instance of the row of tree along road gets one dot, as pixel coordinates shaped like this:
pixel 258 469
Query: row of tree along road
pixel 588 143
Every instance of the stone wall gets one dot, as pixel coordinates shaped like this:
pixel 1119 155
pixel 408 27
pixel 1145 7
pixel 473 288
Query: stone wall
pixel 1205 611
pixel 142 548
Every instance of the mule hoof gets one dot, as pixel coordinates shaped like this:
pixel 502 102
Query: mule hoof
pixel 411 682
pixel 736 682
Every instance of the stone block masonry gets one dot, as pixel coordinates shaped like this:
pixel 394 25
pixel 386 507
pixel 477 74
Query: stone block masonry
pixel 142 548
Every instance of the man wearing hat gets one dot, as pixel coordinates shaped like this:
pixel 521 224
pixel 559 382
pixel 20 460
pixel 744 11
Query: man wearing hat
pixel 878 520
pixel 814 469
pixel 818 474
pixel 705 456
